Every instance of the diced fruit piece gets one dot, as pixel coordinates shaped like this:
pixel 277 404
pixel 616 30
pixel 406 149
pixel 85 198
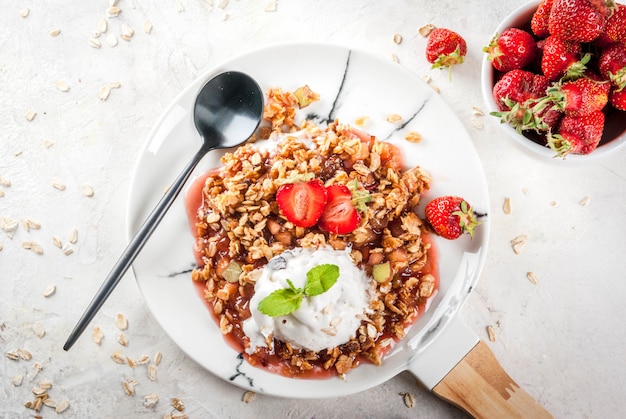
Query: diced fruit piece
pixel 302 203
pixel 305 96
pixel 578 20
pixel 445 48
pixel 382 272
pixel 339 216
pixel 451 216
pixel 512 49
pixel 577 134
pixel 232 272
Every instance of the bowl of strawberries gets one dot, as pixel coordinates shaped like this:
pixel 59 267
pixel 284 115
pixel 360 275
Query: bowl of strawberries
pixel 554 74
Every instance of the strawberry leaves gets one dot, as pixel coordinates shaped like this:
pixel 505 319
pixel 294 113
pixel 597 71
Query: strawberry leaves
pixel 281 302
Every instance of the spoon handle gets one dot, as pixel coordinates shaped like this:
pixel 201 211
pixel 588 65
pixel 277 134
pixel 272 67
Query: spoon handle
pixel 133 249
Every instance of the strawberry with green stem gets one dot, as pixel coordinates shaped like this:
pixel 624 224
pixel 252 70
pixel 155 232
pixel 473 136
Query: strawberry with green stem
pixel 445 48
pixel 450 217
pixel 577 134
pixel 512 49
pixel 576 98
pixel 612 64
pixel 562 59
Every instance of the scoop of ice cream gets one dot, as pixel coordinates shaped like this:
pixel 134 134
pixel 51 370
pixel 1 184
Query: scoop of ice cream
pixel 323 321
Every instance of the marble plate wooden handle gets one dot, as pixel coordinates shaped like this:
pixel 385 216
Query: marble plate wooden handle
pixel 461 369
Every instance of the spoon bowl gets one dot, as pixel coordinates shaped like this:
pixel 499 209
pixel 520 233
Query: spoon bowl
pixel 227 111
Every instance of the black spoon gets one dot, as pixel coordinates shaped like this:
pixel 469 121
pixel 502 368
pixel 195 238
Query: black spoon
pixel 227 111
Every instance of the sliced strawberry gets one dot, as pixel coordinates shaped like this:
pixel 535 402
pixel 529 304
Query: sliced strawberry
pixel 302 203
pixel 340 216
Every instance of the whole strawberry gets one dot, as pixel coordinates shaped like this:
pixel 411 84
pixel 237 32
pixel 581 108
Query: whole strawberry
pixel 451 216
pixel 612 64
pixel 539 21
pixel 617 98
pixel 578 20
pixel 512 49
pixel 516 93
pixel 562 58
pixel 445 48
pixel 577 134
pixel 615 29
pixel 579 97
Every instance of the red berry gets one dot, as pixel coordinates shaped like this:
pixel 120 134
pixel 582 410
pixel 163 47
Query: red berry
pixel 579 97
pixel 617 98
pixel 577 134
pixel 302 203
pixel 451 216
pixel 612 64
pixel 445 48
pixel 560 57
pixel 512 49
pixel 615 29
pixel 339 216
pixel 539 21
pixel 577 20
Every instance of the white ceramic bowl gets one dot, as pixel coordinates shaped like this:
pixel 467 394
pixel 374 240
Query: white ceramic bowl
pixel 614 134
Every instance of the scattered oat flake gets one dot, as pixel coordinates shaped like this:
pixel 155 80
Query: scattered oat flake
pixel 491 332
pixel 393 118
pixel 426 30
pixel 62 406
pixel 506 206
pixel 111 40
pixel 143 359
pixel 87 190
pixel 30 115
pixel 104 93
pixel 118 358
pixel 62 86
pixel 152 372
pixel 222 4
pixel 1 193
pixel 129 388
pixel 102 25
pixel 97 335
pixel 395 58
pixel 73 237
pixel 397 38
pixel 33 246
pixel 24 354
pixel 532 277
pixel 121 339
pixel 12 355
pixel 584 202
pixel 554 204
pixel 413 137
pixel 49 290
pixel 271 6
pixel 147 28
pixel 409 399
pixel 39 330
pixel 55 32
pixel 113 11
pixel 17 380
pixel 248 396
pixel 46 385
pixel 56 184
pixel 67 249
pixel 5 182
pixel 157 358
pixel 47 143
pixel 477 111
pixel 50 403
pixel 57 242
pixel 115 85
pixel 30 224
pixel 177 404
pixel 519 243
pixel 121 322
pixel 150 400
pixel 94 43
pixel 127 32
pixel 24 12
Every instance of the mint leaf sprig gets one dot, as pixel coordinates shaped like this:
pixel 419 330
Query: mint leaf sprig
pixel 319 279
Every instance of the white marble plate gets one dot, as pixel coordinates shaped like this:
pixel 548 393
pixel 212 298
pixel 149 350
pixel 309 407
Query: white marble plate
pixel 352 84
